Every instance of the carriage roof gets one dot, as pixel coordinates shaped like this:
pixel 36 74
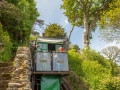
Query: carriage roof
pixel 51 40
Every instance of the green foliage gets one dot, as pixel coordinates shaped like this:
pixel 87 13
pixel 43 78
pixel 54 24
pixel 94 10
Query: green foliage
pixel 30 14
pixel 75 63
pixel 5 52
pixel 93 73
pixel 110 83
pixel 110 22
pixel 76 82
pixel 90 67
pixel 74 46
pixel 85 13
pixel 18 18
pixel 10 17
pixel 15 2
pixel 75 10
pixel 112 54
pixel 32 38
pixel 95 67
pixel 54 31
pixel 89 54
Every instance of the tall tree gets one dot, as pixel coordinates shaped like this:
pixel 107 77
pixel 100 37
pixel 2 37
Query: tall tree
pixel 74 46
pixel 29 14
pixel 85 13
pixel 10 18
pixel 112 53
pixel 54 31
pixel 39 23
pixel 110 23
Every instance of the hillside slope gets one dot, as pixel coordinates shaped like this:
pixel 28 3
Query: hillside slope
pixel 90 68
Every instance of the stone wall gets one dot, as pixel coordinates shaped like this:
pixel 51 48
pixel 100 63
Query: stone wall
pixel 21 76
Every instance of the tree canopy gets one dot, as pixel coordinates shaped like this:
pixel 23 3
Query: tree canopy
pixel 18 18
pixel 111 53
pixel 85 13
pixel 10 18
pixel 74 46
pixel 110 22
pixel 54 31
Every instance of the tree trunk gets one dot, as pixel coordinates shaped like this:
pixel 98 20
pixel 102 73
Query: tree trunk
pixel 69 38
pixel 86 33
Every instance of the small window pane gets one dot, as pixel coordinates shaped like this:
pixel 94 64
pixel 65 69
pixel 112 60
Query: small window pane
pixel 44 46
pixel 40 45
pixel 57 47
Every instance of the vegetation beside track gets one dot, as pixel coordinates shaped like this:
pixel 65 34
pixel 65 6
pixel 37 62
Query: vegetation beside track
pixel 92 71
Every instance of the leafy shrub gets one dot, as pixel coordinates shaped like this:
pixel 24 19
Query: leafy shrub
pixel 90 67
pixel 92 55
pixel 74 46
pixel 75 63
pixel 110 83
pixel 93 73
pixel 32 38
pixel 5 53
pixel 77 82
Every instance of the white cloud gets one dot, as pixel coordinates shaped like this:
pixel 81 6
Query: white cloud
pixel 102 44
pixel 113 44
pixel 66 21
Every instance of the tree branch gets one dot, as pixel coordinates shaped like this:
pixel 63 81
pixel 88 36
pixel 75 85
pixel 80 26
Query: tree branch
pixel 70 33
pixel 83 5
pixel 93 24
pixel 90 4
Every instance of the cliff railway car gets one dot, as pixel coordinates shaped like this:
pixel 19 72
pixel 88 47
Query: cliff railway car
pixel 48 64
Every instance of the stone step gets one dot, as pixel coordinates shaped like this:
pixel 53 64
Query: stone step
pixel 5 78
pixel 6 74
pixel 6 64
pixel 8 69
pixel 3 88
pixel 4 83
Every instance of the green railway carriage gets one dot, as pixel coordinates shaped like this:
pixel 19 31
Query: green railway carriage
pixel 48 65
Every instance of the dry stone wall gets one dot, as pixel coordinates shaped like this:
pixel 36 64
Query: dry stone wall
pixel 21 76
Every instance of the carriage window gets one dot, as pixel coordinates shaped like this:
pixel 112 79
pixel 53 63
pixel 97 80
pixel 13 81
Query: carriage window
pixel 57 47
pixel 43 47
pixel 40 45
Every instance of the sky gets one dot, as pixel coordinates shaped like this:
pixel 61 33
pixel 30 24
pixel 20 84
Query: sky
pixel 50 12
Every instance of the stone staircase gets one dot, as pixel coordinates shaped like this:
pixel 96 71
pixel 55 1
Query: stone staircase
pixel 21 74
pixel 6 69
